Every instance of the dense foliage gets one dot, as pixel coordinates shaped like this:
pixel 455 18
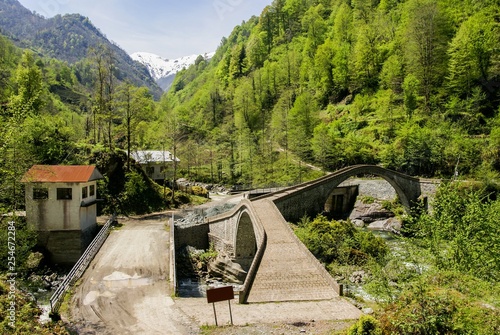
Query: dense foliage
pixel 409 84
pixel 440 279
pixel 340 242
pixel 462 232
pixel 443 303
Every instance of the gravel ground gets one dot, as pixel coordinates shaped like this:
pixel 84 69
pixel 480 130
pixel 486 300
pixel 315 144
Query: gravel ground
pixel 382 190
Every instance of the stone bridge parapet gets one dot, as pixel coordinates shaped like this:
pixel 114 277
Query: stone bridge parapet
pixel 308 199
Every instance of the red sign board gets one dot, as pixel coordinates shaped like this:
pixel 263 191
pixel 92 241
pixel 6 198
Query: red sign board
pixel 220 294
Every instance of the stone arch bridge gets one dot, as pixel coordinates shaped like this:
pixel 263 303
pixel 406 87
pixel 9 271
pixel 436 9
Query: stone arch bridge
pixel 279 267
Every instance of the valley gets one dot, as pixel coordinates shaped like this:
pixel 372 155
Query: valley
pixel 292 93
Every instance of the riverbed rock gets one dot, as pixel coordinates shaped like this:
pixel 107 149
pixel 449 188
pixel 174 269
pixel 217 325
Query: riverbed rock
pixel 225 268
pixel 389 225
pixel 358 223
pixel 369 213
pixel 358 277
pixel 368 311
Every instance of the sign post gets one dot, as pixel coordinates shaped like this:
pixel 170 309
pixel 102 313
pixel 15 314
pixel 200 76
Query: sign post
pixel 220 294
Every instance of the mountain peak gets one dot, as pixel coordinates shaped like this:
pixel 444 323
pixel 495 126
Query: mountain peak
pixel 164 70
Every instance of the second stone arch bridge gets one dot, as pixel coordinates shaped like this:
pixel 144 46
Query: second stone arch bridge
pixel 279 267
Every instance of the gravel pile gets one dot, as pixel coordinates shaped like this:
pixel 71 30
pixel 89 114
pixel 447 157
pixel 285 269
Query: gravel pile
pixel 197 216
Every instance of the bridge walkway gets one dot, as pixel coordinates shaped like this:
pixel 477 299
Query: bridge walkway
pixel 288 271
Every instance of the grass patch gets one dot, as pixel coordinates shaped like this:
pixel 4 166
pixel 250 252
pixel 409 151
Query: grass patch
pixel 367 200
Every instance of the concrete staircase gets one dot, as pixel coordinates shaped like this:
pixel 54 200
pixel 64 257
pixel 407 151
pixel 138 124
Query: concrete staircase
pixel 287 271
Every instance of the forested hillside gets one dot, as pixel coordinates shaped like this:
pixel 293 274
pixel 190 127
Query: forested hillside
pixel 412 85
pixel 68 38
pixel 307 87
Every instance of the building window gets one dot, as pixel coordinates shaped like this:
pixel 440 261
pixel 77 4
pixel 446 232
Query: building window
pixel 64 194
pixel 150 170
pixel 85 192
pixel 40 193
pixel 92 190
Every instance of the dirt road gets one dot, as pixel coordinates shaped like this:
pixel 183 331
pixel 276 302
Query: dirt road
pixel 126 289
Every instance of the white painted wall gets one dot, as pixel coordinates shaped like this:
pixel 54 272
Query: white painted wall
pixel 53 214
pixel 157 175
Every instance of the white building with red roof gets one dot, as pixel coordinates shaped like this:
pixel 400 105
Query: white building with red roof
pixel 61 204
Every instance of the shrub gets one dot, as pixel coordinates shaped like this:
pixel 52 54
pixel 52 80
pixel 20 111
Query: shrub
pixel 419 311
pixel 199 191
pixel 26 315
pixel 428 309
pixel 140 195
pixel 366 325
pixel 340 241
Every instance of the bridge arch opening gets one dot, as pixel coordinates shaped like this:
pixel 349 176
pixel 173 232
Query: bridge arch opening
pixel 245 246
pixel 343 198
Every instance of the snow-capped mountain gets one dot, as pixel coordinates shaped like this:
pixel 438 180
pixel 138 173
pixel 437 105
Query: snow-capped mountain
pixel 164 70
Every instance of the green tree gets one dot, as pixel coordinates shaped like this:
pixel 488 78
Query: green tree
pixel 427 37
pixel 315 27
pixel 302 120
pixel 29 98
pixel 367 60
pixel 8 58
pixel 343 25
pixel 239 64
pixel 136 105
pixel 472 52
pixel 246 111
pixel 104 85
pixel 323 72
pixel 392 74
pixel 411 86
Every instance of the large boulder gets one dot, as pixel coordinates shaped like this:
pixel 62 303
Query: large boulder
pixel 223 267
pixel 391 225
pixel 369 212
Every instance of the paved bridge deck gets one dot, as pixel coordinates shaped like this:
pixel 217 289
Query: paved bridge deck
pixel 286 272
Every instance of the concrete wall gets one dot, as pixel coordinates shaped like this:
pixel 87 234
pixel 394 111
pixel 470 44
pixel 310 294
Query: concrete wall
pixel 88 215
pixel 222 235
pixel 348 195
pixel 65 247
pixel 196 236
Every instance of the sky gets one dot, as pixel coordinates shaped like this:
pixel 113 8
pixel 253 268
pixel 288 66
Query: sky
pixel 168 28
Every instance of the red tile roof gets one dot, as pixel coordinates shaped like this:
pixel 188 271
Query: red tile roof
pixel 61 174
